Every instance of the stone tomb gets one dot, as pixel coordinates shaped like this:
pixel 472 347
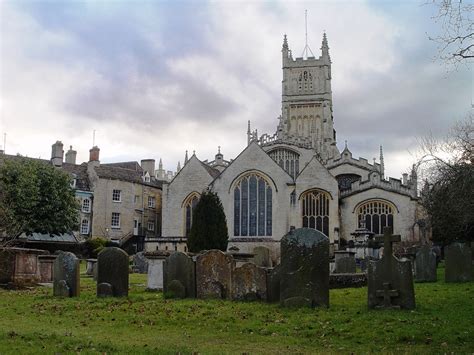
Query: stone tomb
pixel 155 274
pixel 19 266
pixel 425 265
pixel 46 267
pixel 304 268
pixel 249 283
pixel 66 279
pixel 262 257
pixel 390 281
pixel 344 262
pixel 214 274
pixel 458 263
pixel 112 273
pixel 179 276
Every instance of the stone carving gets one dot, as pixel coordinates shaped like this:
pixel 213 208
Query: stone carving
pixel 304 269
pixel 344 262
pixel 66 275
pixel 249 283
pixel 425 265
pixel 390 281
pixel 112 268
pixel 458 263
pixel 180 268
pixel 140 263
pixel 214 274
pixel 262 257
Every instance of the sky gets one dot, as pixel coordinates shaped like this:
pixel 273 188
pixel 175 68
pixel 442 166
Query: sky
pixel 156 78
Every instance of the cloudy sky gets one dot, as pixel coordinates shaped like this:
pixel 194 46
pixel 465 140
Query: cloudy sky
pixel 156 78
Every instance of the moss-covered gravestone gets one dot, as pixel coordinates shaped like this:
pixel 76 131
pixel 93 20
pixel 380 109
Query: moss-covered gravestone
pixel 66 275
pixel 214 274
pixel 112 269
pixel 390 281
pixel 249 283
pixel 458 263
pixel 178 270
pixel 425 265
pixel 304 269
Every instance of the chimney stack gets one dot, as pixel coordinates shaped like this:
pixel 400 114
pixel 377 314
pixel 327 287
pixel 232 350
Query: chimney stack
pixel 71 156
pixel 57 153
pixel 148 166
pixel 94 155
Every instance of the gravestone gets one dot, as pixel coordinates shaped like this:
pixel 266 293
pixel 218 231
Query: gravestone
pixel 66 275
pixel 390 281
pixel 249 283
pixel 155 272
pixel 91 266
pixel 112 268
pixel 344 262
pixel 262 257
pixel 46 266
pixel 214 275
pixel 458 263
pixel 304 273
pixel 425 265
pixel 140 263
pixel 179 267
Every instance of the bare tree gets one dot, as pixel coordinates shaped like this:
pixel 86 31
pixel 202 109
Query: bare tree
pixel 456 42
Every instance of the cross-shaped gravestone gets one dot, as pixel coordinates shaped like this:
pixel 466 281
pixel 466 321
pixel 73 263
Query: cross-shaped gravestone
pixel 387 295
pixel 387 238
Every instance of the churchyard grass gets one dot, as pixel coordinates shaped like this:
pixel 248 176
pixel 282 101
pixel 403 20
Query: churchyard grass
pixel 32 321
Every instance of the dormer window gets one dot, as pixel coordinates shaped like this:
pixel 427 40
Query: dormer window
pixel 146 177
pixel 73 181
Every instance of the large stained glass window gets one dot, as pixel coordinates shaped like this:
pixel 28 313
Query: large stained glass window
pixel 377 215
pixel 252 207
pixel 315 210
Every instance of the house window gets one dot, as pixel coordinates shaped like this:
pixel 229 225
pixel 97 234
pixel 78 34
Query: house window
pixel 151 226
pixel 315 210
pixel 116 195
pixel 377 214
pixel 86 205
pixel 253 207
pixel 85 226
pixel 115 223
pixel 151 202
pixel 189 206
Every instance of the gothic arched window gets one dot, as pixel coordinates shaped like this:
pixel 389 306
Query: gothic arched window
pixel 252 206
pixel 189 205
pixel 377 214
pixel 315 210
pixel 287 159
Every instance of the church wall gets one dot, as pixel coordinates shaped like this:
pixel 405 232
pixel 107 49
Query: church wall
pixel 192 178
pixel 403 219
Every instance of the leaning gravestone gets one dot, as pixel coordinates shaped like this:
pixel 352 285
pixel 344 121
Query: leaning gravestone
pixel 262 257
pixel 112 269
pixel 425 265
pixel 249 283
pixel 390 281
pixel 458 263
pixel 304 268
pixel 214 274
pixel 179 269
pixel 66 275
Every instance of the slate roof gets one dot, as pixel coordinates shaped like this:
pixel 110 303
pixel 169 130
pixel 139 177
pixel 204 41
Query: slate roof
pixel 130 165
pixel 56 238
pixel 80 173
pixel 115 172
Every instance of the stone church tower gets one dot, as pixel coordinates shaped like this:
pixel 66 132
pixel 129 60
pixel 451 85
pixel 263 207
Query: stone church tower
pixel 306 117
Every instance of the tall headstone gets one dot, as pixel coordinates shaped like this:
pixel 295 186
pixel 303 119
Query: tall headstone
pixel 458 263
pixel 249 283
pixel 344 262
pixel 304 268
pixel 112 269
pixel 262 256
pixel 179 269
pixel 390 281
pixel 425 265
pixel 66 275
pixel 214 275
pixel 155 273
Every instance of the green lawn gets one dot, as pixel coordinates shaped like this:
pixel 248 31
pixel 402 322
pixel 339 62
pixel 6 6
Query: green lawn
pixel 32 321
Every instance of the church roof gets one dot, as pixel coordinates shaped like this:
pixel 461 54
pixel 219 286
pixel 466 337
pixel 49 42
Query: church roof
pixel 213 172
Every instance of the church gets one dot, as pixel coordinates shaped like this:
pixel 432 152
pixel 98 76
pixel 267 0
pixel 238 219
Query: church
pixel 296 177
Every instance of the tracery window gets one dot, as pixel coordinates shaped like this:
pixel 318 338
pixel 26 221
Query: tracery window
pixel 377 215
pixel 252 206
pixel 315 210
pixel 305 81
pixel 189 206
pixel 288 159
